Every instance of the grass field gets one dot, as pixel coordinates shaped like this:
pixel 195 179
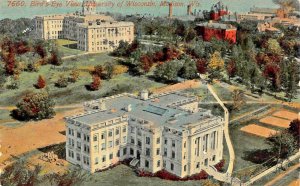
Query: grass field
pixel 68 47
pixel 76 92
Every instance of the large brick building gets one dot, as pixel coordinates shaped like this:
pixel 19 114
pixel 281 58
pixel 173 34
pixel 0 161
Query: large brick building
pixel 217 30
pixel 166 131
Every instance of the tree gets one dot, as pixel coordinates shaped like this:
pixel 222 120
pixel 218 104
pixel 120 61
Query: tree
pixel 62 82
pixel 294 129
pixel 41 82
pixel 215 65
pixel 282 145
pixel 290 76
pixel 95 85
pixel 167 71
pixel 109 69
pixel 191 35
pixel 273 47
pixel 35 106
pixel 146 63
pixel 2 76
pixel 55 57
pixel 122 49
pixel 231 69
pixel 98 70
pixel 189 69
pixel 69 178
pixel 74 75
pixel 238 99
pixel 201 66
pixel 272 72
pixel 19 173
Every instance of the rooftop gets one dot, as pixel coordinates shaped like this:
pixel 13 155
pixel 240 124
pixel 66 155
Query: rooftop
pixel 160 110
pixel 217 25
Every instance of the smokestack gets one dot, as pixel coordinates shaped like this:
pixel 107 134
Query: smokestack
pixel 189 9
pixel 170 10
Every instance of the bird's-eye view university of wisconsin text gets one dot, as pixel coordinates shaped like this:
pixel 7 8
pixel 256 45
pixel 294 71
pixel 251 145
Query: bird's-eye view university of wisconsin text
pixel 157 93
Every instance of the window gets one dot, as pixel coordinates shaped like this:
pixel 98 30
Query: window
pixel 124 151
pixel 96 161
pixel 78 145
pixel 117 131
pixel 132 129
pixel 110 144
pixel 139 143
pixel 87 138
pixel 165 151
pixel 158 163
pixel 164 163
pixel 173 154
pixel 103 158
pixel 118 153
pixel 124 129
pixel 70 131
pixel 184 144
pixel 184 168
pixel 172 166
pixel 166 141
pixel 158 141
pixel 197 165
pixel 147 163
pixel 117 142
pixel 157 151
pixel 103 146
pixel 147 152
pixel 96 148
pixel 95 138
pixel 103 135
pixel 71 155
pixel 110 133
pixel 124 139
pixel 173 143
pixel 132 140
pixel 78 135
pixel 148 140
pixel 111 156
pixel 131 151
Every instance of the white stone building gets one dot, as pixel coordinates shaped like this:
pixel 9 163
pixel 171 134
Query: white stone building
pixel 166 131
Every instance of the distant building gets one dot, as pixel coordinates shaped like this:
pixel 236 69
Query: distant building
pixel 217 30
pixel 103 36
pixel 159 132
pixel 217 11
pixel 269 11
pixel 66 26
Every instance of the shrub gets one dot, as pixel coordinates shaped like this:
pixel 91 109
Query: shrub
pixel 96 83
pixel 61 82
pixel 219 166
pixel 35 106
pixel 74 75
pixel 120 69
pixel 41 82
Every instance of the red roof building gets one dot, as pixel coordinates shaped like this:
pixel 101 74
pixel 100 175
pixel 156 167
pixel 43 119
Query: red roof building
pixel 217 11
pixel 217 30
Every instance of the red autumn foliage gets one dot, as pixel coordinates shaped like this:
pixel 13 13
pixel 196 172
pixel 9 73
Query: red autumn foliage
pixel 39 49
pixel 158 56
pixel 231 68
pixel 201 66
pixel 96 83
pixel 21 47
pixel 41 82
pixel 147 62
pixel 219 166
pixel 163 174
pixel 272 71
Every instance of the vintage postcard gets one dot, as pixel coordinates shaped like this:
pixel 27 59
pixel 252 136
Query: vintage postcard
pixel 149 92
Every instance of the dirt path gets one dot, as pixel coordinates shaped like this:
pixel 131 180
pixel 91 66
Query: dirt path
pixel 178 86
pixel 280 176
pixel 33 135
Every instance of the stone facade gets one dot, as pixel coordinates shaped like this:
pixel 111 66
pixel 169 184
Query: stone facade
pixel 80 27
pixel 166 131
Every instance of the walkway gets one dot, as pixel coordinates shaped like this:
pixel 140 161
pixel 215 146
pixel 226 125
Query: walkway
pixel 280 176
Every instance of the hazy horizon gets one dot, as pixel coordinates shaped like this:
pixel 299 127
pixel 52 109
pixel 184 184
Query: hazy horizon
pixel 30 11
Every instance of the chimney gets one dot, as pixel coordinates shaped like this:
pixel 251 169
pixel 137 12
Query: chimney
pixel 170 10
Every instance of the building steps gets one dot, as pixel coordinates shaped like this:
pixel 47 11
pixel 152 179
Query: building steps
pixel 134 162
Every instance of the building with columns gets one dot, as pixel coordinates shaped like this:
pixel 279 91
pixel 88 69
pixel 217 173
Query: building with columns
pixel 165 131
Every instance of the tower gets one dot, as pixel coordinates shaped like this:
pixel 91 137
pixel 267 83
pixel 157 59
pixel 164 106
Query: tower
pixel 170 10
pixel 88 7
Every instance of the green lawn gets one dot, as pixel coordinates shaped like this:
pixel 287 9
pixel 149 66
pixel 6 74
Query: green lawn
pixel 68 47
pixel 76 92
